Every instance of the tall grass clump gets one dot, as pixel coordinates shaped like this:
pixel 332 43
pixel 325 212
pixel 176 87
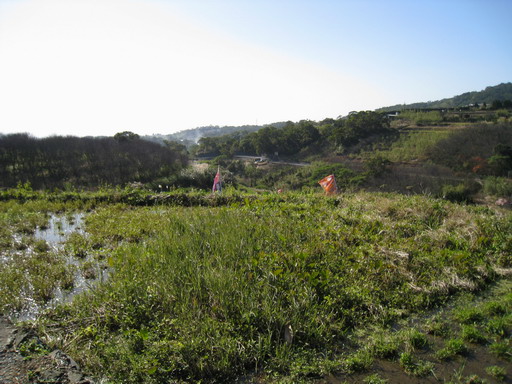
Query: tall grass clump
pixel 210 293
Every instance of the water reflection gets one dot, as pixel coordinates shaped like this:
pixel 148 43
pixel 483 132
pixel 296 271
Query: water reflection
pixel 55 234
pixel 59 228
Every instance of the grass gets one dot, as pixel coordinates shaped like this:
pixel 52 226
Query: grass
pixel 502 349
pixel 472 334
pixel 415 367
pixel 213 292
pixel 499 373
pixel 469 315
pixel 453 347
pixel 359 361
pixel 415 340
pixel 437 327
pixel 375 379
pixel 384 345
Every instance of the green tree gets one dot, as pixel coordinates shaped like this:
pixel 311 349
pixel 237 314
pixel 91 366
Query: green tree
pixel 377 165
pixel 496 104
pixel 176 147
pixel 360 125
pixel 501 161
pixel 126 136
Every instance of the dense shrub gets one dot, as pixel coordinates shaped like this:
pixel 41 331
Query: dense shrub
pixel 470 149
pixel 457 193
pixel 498 186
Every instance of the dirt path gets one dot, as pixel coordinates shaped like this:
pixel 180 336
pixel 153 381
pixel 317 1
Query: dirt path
pixel 25 359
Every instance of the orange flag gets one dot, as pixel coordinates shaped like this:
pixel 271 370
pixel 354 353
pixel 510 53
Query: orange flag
pixel 329 185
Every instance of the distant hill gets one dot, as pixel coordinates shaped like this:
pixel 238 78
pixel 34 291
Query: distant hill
pixel 189 137
pixel 192 136
pixel 499 92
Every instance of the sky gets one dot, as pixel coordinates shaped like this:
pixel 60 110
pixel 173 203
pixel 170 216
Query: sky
pixel 98 67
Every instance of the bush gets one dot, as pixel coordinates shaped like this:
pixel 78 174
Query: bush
pixel 192 178
pixel 377 165
pixel 497 186
pixel 457 193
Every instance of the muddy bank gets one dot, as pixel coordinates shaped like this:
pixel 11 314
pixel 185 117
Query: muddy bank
pixel 24 358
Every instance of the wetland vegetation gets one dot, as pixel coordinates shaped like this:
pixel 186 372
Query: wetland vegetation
pixel 292 287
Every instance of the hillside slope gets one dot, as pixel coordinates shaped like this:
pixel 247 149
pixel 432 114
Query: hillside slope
pixel 488 95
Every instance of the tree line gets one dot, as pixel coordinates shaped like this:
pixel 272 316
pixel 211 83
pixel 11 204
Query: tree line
pixel 292 138
pixel 73 162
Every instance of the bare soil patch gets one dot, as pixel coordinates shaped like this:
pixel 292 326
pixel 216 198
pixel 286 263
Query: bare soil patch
pixel 24 358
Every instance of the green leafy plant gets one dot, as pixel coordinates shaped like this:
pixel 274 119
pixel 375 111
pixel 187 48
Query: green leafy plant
pixel 31 348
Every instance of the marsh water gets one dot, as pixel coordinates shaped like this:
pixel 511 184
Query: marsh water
pixel 55 234
pixel 59 228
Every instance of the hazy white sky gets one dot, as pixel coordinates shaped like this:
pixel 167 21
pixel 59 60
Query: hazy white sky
pixel 97 67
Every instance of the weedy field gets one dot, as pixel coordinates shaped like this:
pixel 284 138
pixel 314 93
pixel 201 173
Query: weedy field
pixel 361 287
